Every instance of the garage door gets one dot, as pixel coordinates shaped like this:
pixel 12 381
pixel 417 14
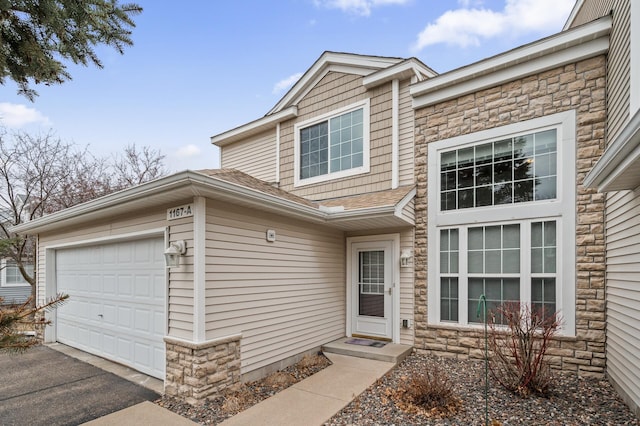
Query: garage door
pixel 116 307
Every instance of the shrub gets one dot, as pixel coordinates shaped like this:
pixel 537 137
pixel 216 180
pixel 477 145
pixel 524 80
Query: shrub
pixel 430 393
pixel 518 348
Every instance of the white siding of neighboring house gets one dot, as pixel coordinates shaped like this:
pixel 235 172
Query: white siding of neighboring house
pixel 13 294
pixel 623 292
pixel 285 297
pixel 180 295
pixel 255 156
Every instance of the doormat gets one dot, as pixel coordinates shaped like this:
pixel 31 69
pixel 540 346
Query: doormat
pixel 366 342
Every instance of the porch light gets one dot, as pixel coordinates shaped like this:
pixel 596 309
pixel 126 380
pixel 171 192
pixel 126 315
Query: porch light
pixel 173 252
pixel 405 257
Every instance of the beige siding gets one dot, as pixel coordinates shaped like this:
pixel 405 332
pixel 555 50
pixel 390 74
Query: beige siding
pixel 255 156
pixel 180 292
pixel 623 292
pixel 619 61
pixel 406 290
pixel 334 91
pixel 284 297
pixel 405 129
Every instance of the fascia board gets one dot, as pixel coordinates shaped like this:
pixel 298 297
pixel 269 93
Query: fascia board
pixel 406 69
pixel 350 61
pixel 254 127
pixel 618 156
pixel 573 14
pixel 579 43
pixel 403 203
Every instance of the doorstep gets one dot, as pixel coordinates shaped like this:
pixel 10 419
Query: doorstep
pixel 391 352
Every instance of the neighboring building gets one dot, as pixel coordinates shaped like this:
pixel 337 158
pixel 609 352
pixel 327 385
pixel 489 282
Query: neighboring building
pixel 375 199
pixel 617 175
pixel 14 289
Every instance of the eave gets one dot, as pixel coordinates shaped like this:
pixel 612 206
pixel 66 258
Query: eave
pixel 576 44
pixel 182 187
pixel 254 127
pixel 402 71
pixel 619 166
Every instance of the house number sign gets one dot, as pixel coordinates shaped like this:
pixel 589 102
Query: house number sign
pixel 180 212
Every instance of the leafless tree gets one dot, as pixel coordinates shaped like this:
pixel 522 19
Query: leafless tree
pixel 40 174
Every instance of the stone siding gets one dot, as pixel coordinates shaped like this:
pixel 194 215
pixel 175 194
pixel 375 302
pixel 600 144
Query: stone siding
pixel 579 87
pixel 198 371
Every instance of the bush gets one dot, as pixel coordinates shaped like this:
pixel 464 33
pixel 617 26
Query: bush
pixel 518 348
pixel 430 393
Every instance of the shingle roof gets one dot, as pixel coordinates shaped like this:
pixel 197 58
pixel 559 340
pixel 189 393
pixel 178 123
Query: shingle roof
pixel 389 197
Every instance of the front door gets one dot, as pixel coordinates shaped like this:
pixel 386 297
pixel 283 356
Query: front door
pixel 372 288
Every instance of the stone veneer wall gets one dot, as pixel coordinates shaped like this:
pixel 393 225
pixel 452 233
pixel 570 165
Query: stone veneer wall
pixel 198 371
pixel 580 86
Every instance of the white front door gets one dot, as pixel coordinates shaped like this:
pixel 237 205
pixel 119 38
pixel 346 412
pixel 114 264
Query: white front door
pixel 371 282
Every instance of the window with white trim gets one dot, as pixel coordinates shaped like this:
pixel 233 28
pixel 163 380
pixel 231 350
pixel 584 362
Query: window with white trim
pixel 333 145
pixel 503 223
pixel 11 276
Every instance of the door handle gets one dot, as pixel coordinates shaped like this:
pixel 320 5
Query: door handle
pixel 390 291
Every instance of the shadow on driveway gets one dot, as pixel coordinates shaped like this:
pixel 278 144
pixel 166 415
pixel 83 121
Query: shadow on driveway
pixel 45 387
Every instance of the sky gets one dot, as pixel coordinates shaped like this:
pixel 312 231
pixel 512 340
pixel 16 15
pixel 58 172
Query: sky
pixel 198 68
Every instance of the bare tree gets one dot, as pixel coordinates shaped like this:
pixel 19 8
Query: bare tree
pixel 40 174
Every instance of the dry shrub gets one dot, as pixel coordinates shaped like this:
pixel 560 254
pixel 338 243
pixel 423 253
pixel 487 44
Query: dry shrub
pixel 280 379
pixel 232 405
pixel 311 361
pixel 429 393
pixel 518 350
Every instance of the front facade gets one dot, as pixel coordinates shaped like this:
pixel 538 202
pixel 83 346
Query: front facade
pixel 376 199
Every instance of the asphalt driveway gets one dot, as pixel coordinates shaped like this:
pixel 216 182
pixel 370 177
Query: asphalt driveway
pixel 45 387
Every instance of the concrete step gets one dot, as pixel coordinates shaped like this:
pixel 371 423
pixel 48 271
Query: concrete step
pixel 390 352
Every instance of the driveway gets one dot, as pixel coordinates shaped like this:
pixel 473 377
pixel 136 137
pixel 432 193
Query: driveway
pixel 45 387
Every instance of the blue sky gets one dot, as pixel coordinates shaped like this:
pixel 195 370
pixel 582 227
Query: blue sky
pixel 198 68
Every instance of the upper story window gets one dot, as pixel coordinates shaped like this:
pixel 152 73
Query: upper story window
pixel 502 222
pixel 506 171
pixel 333 145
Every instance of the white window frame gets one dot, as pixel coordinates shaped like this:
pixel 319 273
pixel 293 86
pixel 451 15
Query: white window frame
pixel 366 130
pixel 562 209
pixel 3 276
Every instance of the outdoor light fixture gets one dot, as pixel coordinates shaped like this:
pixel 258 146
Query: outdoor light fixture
pixel 173 252
pixel 405 257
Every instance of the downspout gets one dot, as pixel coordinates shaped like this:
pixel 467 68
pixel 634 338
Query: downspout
pixel 395 133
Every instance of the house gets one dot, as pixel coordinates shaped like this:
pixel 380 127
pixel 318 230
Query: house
pixel 14 289
pixel 376 199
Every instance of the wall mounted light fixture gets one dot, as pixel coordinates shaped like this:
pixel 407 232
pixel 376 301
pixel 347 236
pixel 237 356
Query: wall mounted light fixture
pixel 173 252
pixel 405 257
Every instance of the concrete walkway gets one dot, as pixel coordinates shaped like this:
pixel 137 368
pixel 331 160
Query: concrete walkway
pixel 316 399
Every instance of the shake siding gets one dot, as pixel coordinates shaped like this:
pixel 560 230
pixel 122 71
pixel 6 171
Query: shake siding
pixel 623 292
pixel 180 322
pixel 255 156
pixel 406 129
pixel 334 91
pixel 619 61
pixel 285 297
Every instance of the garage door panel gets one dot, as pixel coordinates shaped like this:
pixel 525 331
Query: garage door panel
pixel 116 307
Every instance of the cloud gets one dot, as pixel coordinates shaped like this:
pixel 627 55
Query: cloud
pixel 286 83
pixel 15 116
pixel 187 151
pixel 357 7
pixel 467 26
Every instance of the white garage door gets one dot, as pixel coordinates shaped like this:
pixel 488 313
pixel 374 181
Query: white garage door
pixel 116 307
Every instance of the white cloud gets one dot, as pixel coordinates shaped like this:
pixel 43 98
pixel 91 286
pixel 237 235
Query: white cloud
pixel 470 26
pixel 15 116
pixel 286 83
pixel 187 151
pixel 358 7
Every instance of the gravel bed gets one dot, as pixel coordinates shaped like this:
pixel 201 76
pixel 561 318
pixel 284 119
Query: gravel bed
pixel 217 410
pixel 572 401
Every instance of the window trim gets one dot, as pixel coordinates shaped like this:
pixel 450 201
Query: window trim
pixel 366 130
pixel 562 209
pixel 3 276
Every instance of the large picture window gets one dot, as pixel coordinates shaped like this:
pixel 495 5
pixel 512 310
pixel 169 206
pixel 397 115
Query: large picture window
pixel 503 221
pixel 333 145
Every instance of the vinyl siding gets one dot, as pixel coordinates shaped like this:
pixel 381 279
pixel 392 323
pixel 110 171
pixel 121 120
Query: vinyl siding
pixel 284 297
pixel 406 290
pixel 618 74
pixel 623 292
pixel 255 156
pixel 14 294
pixel 405 129
pixel 180 295
pixel 334 91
